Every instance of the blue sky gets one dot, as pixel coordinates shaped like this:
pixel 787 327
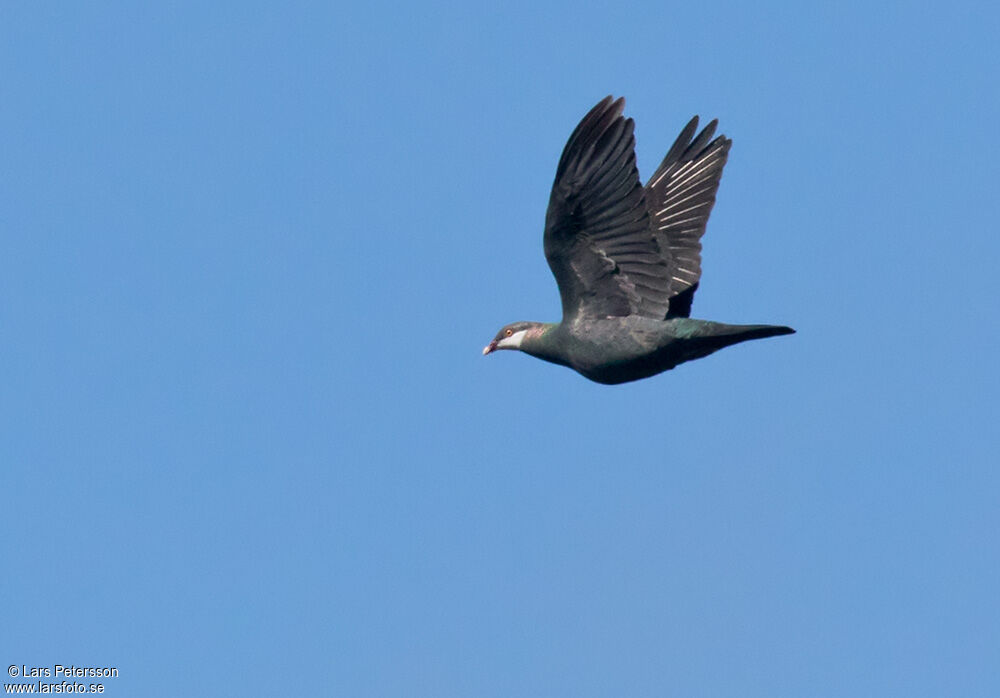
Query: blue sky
pixel 250 253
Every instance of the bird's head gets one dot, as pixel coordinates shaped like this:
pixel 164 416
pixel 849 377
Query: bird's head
pixel 510 336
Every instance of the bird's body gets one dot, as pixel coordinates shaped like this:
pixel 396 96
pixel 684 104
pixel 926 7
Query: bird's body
pixel 627 258
pixel 621 349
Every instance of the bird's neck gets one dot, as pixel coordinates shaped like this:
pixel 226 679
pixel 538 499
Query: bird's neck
pixel 542 342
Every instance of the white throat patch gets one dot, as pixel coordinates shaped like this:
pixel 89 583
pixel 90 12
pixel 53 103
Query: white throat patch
pixel 512 342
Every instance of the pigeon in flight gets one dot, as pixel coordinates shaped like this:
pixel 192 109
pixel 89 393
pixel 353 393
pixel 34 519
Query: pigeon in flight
pixel 627 258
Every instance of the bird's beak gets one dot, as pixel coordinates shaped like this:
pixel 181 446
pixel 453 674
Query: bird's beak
pixel 490 348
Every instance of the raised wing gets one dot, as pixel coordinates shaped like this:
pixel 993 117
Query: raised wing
pixel 679 198
pixel 598 238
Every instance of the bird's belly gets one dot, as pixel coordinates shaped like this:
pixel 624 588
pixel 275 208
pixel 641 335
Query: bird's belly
pixel 626 371
pixel 622 362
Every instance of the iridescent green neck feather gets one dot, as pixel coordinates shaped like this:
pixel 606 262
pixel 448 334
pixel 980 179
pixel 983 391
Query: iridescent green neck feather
pixel 542 342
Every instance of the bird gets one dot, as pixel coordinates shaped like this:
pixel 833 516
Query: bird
pixel 627 257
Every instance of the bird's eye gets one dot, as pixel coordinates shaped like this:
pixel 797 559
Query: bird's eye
pixel 508 333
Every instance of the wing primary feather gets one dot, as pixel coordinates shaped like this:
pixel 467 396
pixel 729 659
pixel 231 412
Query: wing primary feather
pixel 681 195
pixel 616 247
pixel 674 154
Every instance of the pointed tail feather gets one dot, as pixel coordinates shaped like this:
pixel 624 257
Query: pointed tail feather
pixel 706 337
pixel 741 333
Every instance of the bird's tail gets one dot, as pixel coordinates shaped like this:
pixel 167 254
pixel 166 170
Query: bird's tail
pixel 705 337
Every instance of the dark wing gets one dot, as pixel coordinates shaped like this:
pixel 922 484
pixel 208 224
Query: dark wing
pixel 598 238
pixel 680 196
